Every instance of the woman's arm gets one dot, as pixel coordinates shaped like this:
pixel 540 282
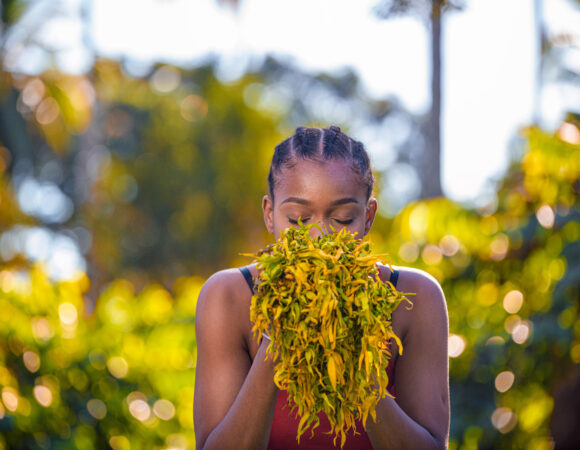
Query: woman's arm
pixel 419 417
pixel 234 398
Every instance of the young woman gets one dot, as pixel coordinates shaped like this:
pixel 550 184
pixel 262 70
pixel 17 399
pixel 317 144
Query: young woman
pixel 317 175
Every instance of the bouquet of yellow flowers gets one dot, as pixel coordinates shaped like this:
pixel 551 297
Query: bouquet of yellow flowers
pixel 328 315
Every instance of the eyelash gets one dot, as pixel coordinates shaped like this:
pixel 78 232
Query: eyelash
pixel 295 222
pixel 342 222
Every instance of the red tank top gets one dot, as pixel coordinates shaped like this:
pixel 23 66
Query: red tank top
pixel 285 427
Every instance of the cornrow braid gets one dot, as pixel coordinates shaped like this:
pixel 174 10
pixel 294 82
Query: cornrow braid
pixel 324 144
pixel 281 158
pixel 308 142
pixel 329 139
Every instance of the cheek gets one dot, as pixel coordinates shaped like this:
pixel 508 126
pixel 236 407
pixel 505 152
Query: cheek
pixel 357 227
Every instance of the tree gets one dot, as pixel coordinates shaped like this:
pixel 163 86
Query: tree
pixel 147 163
pixel 511 273
pixel 429 165
pixel 124 375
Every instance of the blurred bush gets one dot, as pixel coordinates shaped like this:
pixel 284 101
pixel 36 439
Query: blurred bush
pixel 511 275
pixel 159 175
pixel 164 173
pixel 142 172
pixel 121 377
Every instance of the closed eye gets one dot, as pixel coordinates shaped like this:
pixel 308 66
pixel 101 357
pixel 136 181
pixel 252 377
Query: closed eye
pixel 295 221
pixel 344 222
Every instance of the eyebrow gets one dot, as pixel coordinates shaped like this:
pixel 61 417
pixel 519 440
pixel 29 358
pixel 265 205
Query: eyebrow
pixel 302 201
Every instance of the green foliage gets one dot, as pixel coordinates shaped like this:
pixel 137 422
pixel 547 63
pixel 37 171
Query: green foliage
pixel 11 11
pixel 511 274
pixel 153 165
pixel 168 177
pixel 178 159
pixel 121 376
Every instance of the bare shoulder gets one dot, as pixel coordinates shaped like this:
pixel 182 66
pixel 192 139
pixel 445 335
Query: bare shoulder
pixel 425 293
pixel 415 281
pixel 223 300
pixel 222 282
pixel 422 284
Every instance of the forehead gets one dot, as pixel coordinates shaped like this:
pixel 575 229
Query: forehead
pixel 319 181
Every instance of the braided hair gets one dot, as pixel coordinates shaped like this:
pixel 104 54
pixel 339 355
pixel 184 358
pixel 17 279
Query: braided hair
pixel 322 144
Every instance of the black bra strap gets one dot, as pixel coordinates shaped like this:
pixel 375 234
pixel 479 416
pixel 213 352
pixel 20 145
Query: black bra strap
pixel 394 277
pixel 248 276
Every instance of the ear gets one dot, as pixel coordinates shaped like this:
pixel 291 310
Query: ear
pixel 268 210
pixel 370 214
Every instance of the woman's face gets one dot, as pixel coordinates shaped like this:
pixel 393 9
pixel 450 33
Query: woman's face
pixel 328 192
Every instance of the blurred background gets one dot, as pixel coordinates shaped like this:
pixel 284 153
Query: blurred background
pixel 135 140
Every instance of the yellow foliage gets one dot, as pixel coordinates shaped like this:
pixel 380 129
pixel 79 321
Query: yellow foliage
pixel 328 315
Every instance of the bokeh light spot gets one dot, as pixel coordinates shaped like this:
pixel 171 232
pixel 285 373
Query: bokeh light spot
pixel 47 111
pixel 97 408
pixel 43 395
pixel 521 332
pixel 513 301
pixel 177 442
pixel 568 132
pixel 431 254
pixel 31 361
pixel 409 252
pixel 10 398
pixel 68 313
pixel 140 410
pixel 449 245
pixel 456 345
pixel 48 202
pixel 118 366
pixel 165 79
pixel 33 92
pixel 545 216
pixel 504 380
pixel 193 108
pixel 511 322
pixel 164 409
pixel 498 247
pixel 503 419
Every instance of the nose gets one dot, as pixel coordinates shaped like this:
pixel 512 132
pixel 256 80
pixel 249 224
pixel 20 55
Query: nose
pixel 315 232
pixel 319 229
